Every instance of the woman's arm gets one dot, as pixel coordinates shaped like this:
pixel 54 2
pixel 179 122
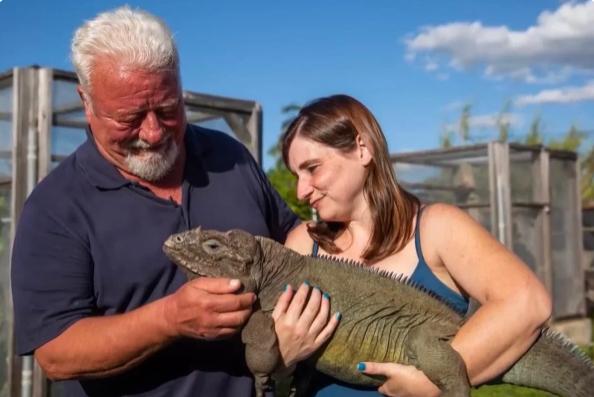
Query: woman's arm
pixel 514 303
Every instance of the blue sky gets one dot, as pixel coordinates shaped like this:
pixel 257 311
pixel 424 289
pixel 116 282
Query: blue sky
pixel 413 63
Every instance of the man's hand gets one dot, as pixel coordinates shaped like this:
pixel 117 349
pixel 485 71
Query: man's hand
pixel 401 380
pixel 208 308
pixel 302 325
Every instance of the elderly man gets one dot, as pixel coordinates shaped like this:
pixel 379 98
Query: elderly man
pixel 95 299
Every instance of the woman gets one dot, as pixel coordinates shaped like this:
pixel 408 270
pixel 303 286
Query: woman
pixel 337 150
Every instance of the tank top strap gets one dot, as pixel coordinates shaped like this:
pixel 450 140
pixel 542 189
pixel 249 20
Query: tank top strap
pixel 315 248
pixel 418 236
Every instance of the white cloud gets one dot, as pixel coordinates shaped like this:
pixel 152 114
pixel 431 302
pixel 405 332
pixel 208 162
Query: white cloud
pixel 558 44
pixel 431 66
pixel 561 95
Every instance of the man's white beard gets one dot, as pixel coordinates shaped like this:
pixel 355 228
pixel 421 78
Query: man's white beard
pixel 151 164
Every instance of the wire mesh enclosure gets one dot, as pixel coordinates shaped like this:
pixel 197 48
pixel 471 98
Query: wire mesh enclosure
pixel 527 196
pixel 41 122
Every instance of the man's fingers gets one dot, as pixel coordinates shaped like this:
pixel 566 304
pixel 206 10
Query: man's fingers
pixel 231 319
pixel 282 303
pixel 231 303
pixel 216 285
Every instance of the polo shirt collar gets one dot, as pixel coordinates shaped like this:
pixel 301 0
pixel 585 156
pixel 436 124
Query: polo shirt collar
pixel 104 175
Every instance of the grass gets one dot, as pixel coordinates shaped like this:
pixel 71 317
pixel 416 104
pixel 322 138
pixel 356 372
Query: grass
pixel 508 391
pixel 517 391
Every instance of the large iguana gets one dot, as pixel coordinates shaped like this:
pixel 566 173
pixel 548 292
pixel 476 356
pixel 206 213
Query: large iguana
pixel 384 319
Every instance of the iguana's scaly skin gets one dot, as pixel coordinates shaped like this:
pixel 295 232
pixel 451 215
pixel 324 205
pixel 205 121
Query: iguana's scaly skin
pixel 384 319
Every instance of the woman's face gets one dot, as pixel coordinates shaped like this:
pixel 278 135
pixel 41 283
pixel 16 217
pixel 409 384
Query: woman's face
pixel 330 180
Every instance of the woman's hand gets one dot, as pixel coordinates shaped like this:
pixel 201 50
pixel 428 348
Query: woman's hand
pixel 302 325
pixel 401 380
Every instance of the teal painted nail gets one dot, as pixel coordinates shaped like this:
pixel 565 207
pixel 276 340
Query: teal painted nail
pixel 306 283
pixel 285 286
pixel 338 315
pixel 361 367
pixel 326 295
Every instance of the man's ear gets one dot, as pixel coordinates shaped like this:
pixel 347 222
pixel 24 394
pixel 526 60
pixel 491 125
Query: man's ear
pixel 85 101
pixel 363 151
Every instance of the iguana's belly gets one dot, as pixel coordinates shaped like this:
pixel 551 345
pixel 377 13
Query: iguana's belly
pixel 353 343
pixel 377 339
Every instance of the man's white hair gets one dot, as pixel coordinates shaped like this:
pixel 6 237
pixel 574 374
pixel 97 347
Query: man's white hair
pixel 130 37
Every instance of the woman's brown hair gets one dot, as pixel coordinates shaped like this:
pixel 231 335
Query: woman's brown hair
pixel 336 121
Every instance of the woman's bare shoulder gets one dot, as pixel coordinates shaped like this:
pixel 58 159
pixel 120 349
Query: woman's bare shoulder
pixel 299 240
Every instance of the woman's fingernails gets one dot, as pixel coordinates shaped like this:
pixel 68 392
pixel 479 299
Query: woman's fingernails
pixel 361 367
pixel 326 295
pixel 306 283
pixel 338 315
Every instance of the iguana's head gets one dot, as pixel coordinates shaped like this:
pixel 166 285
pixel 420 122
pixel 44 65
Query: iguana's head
pixel 212 253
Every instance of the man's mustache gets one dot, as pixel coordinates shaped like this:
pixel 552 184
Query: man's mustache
pixel 140 144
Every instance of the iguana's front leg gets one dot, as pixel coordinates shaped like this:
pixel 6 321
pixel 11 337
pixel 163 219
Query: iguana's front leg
pixel 438 360
pixel 261 350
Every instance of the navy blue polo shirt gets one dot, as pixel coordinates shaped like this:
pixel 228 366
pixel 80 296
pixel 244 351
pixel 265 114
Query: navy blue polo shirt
pixel 89 243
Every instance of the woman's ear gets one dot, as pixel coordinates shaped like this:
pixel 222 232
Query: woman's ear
pixel 363 151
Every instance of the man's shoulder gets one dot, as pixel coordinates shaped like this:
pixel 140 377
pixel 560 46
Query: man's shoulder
pixel 62 182
pixel 213 143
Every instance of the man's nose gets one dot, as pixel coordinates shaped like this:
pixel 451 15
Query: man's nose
pixel 151 130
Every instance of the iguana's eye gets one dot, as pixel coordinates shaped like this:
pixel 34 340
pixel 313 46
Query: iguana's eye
pixel 178 239
pixel 211 245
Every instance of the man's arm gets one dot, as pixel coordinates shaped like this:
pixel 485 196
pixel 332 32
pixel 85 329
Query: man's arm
pixel 102 346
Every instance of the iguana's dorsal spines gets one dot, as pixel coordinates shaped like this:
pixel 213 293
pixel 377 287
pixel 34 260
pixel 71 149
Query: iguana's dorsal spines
pixel 569 345
pixel 344 261
pixel 397 277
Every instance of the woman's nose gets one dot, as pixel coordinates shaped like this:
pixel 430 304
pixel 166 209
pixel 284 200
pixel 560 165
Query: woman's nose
pixel 304 189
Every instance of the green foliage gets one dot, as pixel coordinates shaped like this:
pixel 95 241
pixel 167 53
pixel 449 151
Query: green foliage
pixel 503 122
pixel 534 136
pixel 572 140
pixel 285 184
pixel 464 128
pixel 280 177
pixel 587 182
pixel 446 140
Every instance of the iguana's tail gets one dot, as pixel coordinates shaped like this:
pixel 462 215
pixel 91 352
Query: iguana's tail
pixel 556 365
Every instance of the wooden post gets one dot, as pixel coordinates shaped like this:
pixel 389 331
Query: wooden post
pixel 23 102
pixel 44 122
pixel 499 181
pixel 543 196
pixel 255 128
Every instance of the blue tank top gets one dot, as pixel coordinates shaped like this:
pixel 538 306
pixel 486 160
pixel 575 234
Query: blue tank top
pixel 325 386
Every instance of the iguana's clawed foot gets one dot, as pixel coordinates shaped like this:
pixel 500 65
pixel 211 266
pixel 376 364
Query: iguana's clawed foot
pixel 262 383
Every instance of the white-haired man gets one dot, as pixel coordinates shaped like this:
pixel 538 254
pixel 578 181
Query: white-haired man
pixel 95 299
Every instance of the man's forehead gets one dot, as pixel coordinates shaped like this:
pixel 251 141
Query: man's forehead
pixel 108 72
